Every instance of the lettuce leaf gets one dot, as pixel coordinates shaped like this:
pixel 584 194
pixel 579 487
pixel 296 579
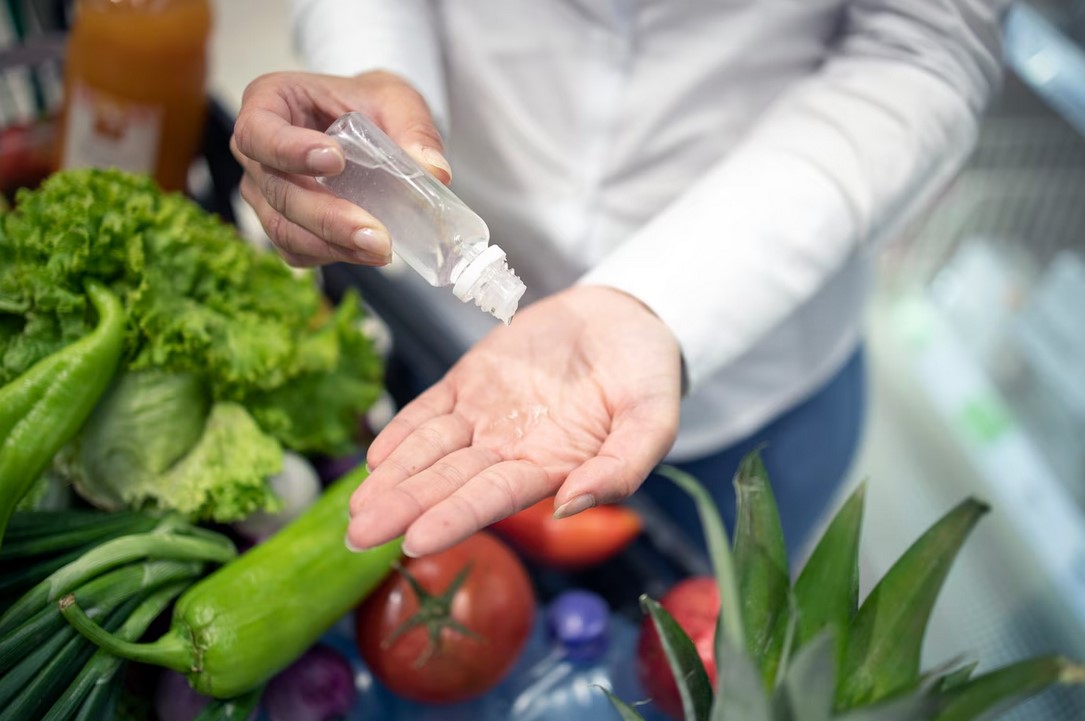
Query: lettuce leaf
pixel 221 478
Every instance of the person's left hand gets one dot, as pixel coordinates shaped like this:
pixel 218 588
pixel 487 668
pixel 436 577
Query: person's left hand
pixel 580 393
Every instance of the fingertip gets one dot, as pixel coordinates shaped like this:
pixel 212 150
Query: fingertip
pixel 575 505
pixel 351 546
pixel 326 160
pixel 374 246
pixel 435 163
pixel 601 479
pixel 420 540
pixel 376 454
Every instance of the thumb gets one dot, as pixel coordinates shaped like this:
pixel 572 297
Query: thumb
pixel 408 121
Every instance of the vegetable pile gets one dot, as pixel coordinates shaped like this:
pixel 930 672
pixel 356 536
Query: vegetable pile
pixel 125 568
pixel 228 356
pixel 251 618
pixel 165 370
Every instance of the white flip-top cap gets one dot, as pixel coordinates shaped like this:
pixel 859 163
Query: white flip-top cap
pixel 490 282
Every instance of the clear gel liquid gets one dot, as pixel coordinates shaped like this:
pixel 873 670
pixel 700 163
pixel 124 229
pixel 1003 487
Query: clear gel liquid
pixel 432 231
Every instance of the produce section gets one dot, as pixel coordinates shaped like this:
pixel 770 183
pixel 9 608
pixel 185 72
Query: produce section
pixel 182 422
pixel 133 403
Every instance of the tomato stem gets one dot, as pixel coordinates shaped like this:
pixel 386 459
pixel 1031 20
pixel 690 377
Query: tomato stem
pixel 434 614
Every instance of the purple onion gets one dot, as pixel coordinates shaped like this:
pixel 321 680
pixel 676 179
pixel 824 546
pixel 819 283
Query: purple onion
pixel 174 699
pixel 319 686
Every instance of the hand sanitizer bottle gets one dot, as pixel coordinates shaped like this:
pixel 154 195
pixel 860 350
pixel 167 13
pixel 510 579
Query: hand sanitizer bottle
pixel 431 229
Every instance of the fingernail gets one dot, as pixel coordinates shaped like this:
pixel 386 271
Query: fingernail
pixel 351 547
pixel 325 161
pixel 433 157
pixel 374 243
pixel 408 552
pixel 571 508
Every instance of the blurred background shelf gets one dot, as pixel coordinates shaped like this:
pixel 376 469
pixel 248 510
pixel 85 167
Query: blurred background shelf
pixel 1045 46
pixel 977 340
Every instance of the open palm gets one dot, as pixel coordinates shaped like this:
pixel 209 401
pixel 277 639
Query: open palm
pixel 578 396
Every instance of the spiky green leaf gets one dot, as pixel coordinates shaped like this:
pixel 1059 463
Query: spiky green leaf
pixel 958 677
pixel 719 550
pixel 882 655
pixel 627 712
pixel 990 695
pixel 827 590
pixel 740 694
pixel 684 661
pixel 760 557
pixel 808 686
pixel 917 705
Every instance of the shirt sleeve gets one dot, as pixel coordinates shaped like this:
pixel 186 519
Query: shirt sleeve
pixel 838 160
pixel 347 37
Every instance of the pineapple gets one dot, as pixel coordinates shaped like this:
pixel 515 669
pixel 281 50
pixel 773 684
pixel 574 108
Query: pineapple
pixel 810 651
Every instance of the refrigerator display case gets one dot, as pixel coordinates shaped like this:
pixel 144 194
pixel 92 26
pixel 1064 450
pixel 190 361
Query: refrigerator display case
pixel 982 305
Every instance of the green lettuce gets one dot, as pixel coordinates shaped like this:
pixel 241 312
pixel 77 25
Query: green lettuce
pixel 233 326
pixel 154 442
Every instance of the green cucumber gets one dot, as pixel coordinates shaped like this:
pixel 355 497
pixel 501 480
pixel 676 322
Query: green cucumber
pixel 248 620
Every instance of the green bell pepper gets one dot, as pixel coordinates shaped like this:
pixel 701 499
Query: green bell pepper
pixel 45 407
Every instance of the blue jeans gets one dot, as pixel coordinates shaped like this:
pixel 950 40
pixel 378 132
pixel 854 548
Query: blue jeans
pixel 807 452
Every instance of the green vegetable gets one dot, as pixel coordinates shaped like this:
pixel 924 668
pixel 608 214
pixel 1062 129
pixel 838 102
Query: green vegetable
pixel 44 407
pixel 760 564
pixel 836 661
pixel 87 693
pixel 235 629
pixel 128 567
pixel 38 543
pixel 153 442
pixel 885 638
pixel 211 321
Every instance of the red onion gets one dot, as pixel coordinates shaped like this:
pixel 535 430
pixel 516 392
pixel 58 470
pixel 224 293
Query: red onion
pixel 319 686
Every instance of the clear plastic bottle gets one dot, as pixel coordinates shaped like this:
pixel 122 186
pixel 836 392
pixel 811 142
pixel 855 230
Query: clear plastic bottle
pixel 432 230
pixel 585 649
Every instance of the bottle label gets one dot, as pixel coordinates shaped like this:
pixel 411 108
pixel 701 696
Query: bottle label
pixel 104 131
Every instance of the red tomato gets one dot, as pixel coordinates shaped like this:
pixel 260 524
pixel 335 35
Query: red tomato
pixel 464 634
pixel 695 605
pixel 586 539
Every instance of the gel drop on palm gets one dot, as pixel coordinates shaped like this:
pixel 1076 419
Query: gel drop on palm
pixel 432 230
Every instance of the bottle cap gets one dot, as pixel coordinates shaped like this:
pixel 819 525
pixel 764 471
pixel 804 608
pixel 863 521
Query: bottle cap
pixel 490 282
pixel 580 622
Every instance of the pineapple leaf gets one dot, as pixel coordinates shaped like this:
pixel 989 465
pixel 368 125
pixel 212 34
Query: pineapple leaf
pixel 827 590
pixel 916 705
pixel 740 694
pixel 760 564
pixel 882 655
pixel 956 678
pixel 808 687
pixel 988 696
pixel 689 674
pixel 627 712
pixel 720 552
pixel 788 646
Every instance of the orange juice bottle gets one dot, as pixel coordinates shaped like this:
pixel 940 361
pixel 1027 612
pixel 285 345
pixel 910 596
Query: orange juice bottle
pixel 135 84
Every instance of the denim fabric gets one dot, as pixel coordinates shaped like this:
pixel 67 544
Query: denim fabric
pixel 807 453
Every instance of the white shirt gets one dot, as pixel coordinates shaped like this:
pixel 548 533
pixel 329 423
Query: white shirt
pixel 730 163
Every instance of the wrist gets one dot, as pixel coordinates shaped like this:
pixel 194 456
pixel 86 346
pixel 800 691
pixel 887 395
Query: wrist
pixel 598 301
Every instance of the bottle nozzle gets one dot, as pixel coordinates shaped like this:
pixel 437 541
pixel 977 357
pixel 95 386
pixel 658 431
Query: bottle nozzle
pixel 490 282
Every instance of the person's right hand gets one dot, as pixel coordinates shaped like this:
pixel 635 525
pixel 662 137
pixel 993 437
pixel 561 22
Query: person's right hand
pixel 280 142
